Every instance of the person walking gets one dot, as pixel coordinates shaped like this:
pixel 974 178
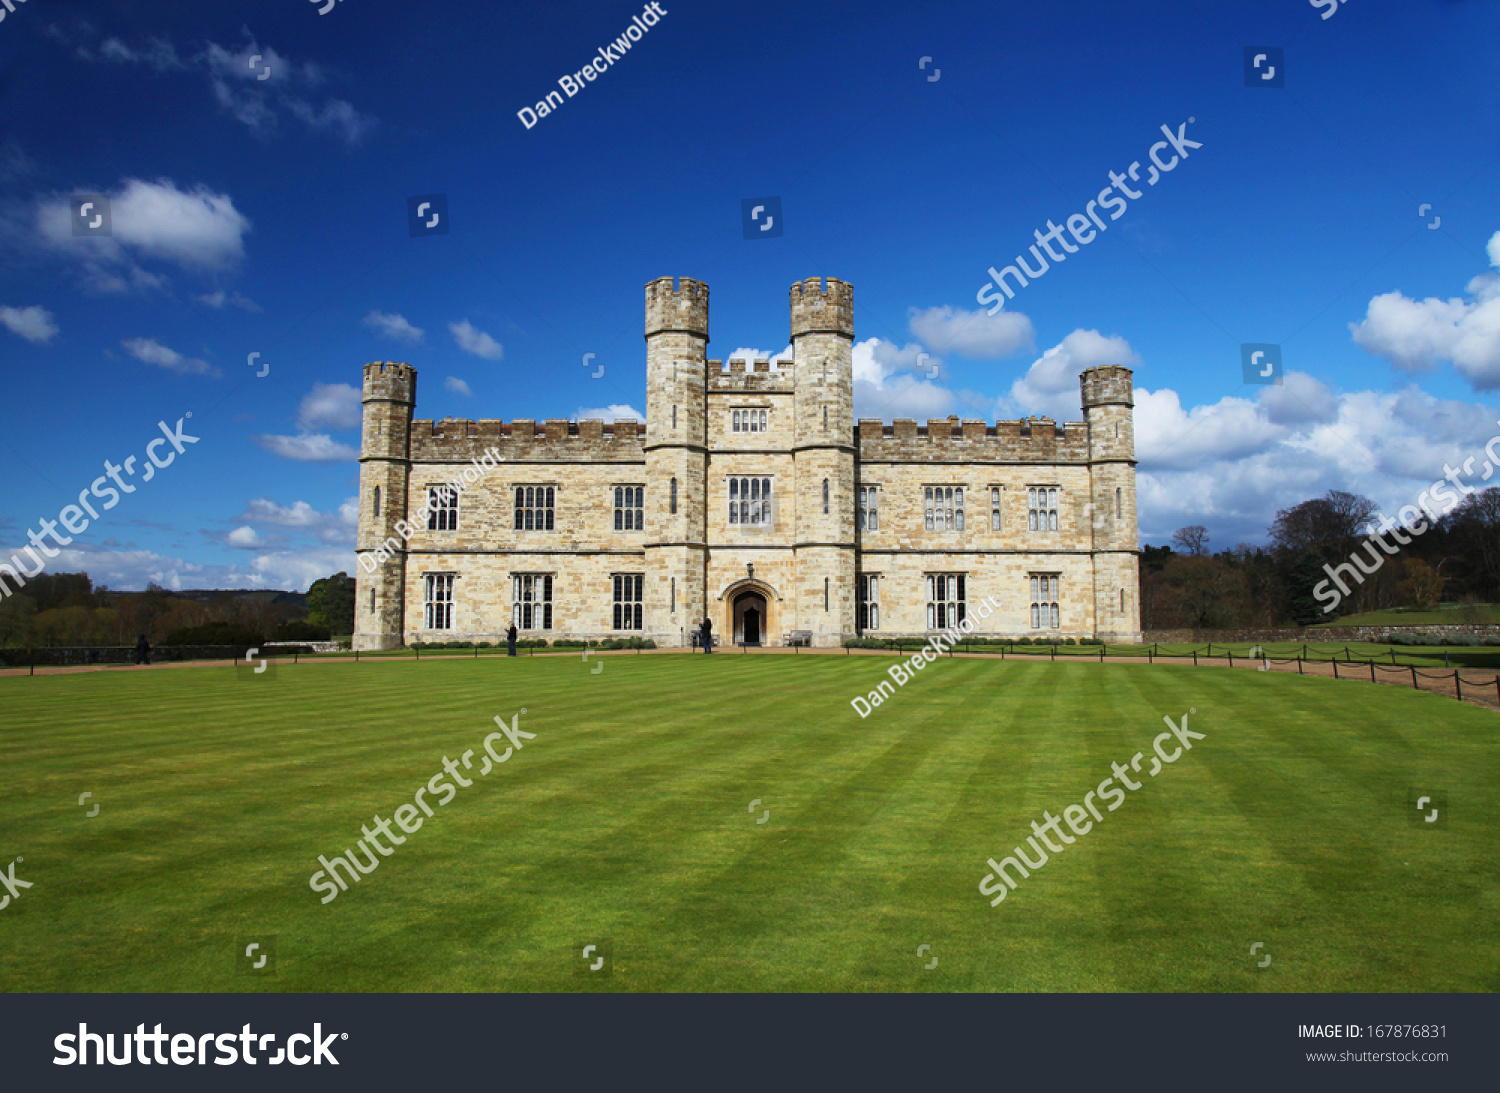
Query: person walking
pixel 707 638
pixel 142 650
pixel 510 641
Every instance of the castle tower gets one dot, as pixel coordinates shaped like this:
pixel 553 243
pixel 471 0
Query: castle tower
pixel 390 393
pixel 676 457
pixel 822 317
pixel 1108 408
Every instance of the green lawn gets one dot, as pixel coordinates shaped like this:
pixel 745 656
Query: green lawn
pixel 1444 614
pixel 628 819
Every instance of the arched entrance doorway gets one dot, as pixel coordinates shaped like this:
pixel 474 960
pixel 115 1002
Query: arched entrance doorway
pixel 749 618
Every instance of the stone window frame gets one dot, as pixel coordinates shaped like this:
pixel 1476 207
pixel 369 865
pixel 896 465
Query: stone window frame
pixel 947 599
pixel 1042 505
pixel 867 597
pixel 997 506
pixel 547 508
pixel 943 504
pixel 763 493
pixel 631 515
pixel 867 508
pixel 629 591
pixel 442 508
pixel 439 598
pixel 540 587
pixel 750 419
pixel 1046 601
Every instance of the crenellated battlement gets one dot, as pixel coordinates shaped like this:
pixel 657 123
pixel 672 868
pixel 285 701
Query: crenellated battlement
pixel 677 305
pixel 524 439
pixel 736 379
pixel 1106 385
pixel 390 381
pixel 1030 440
pixel 820 309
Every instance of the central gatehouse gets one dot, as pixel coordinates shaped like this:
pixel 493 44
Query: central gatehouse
pixel 749 496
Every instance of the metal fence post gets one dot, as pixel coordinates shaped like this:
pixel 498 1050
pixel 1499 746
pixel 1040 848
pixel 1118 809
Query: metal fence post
pixel 1372 671
pixel 1414 678
pixel 1335 663
pixel 1299 666
pixel 1458 685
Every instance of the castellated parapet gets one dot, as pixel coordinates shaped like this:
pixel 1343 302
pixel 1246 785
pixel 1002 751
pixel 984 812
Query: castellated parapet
pixel 1107 385
pixel 677 304
pixel 525 440
pixel 735 378
pixel 817 309
pixel 1033 440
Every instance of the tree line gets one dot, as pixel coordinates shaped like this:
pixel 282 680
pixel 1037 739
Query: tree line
pixel 65 609
pixel 1456 560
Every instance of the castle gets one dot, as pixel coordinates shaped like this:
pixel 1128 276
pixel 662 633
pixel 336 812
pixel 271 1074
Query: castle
pixel 749 496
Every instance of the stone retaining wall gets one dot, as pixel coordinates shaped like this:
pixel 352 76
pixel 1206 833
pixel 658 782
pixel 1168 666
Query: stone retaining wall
pixel 1321 634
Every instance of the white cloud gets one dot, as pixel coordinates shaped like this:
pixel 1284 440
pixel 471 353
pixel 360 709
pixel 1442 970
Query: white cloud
pixel 1050 387
pixel 458 387
pixel 35 323
pixel 217 300
pixel 335 115
pixel 151 351
pixel 1231 465
pixel 335 528
pixel 244 537
pixel 1300 399
pixel 1415 335
pixel 130 570
pixel 393 326
pixel 158 54
pixel 262 510
pixel 332 405
pixel 473 340
pixel 298 569
pixel 255 84
pixel 972 333
pixel 608 413
pixel 1169 437
pixel 889 382
pixel 307 447
pixel 196 229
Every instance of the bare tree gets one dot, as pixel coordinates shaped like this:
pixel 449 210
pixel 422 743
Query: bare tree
pixel 1333 524
pixel 1191 540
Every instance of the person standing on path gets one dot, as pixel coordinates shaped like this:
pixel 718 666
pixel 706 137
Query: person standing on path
pixel 510 641
pixel 707 639
pixel 142 650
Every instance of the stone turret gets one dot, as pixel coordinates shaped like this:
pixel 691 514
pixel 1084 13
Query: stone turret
pixel 822 319
pixel 389 396
pixel 1108 401
pixel 676 454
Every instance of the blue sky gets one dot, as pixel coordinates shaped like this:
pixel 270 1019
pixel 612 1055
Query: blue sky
pixel 270 216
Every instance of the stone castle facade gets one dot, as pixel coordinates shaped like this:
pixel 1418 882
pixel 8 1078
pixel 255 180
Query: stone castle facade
pixel 749 496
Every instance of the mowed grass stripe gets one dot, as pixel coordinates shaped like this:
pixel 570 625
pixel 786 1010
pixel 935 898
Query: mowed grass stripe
pixel 626 818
